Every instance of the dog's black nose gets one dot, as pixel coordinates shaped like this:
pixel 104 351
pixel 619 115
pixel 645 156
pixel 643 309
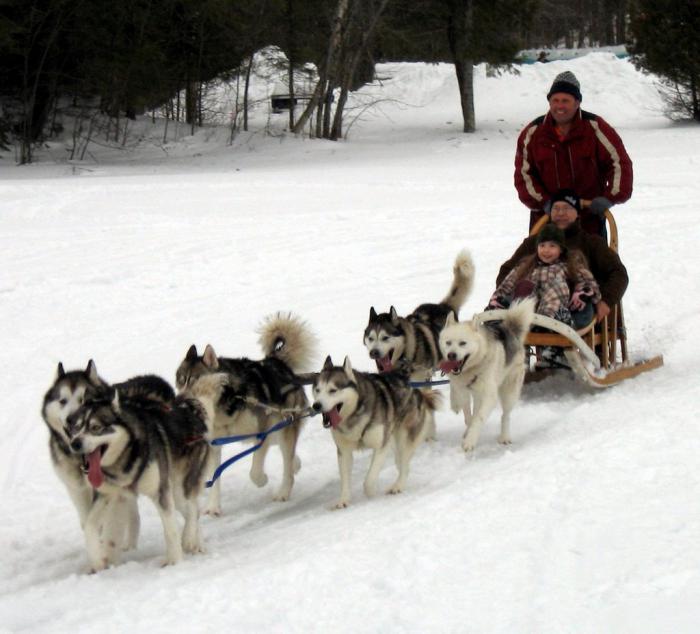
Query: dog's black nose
pixel 452 356
pixel 76 444
pixel 317 406
pixel 374 353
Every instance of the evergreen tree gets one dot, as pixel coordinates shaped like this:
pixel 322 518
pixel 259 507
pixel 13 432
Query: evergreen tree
pixel 666 43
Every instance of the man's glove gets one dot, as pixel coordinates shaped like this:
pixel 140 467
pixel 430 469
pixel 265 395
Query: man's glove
pixel 495 303
pixel 599 204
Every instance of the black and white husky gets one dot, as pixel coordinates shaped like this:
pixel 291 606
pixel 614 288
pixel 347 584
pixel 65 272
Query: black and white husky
pixel 68 392
pixel 134 446
pixel 249 396
pixel 373 411
pixel 392 340
pixel 486 363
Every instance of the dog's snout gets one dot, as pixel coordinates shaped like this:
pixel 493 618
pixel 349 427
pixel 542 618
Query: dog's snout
pixel 76 445
pixel 452 356
pixel 317 406
pixel 374 354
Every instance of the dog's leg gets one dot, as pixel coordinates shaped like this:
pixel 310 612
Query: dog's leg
pixel 133 527
pixel 82 498
pixel 287 442
pixel 509 393
pixel 484 402
pixel 257 468
pixel 191 537
pixel 165 504
pixel 345 468
pixel 405 448
pixel 213 505
pixel 99 551
pixel 375 466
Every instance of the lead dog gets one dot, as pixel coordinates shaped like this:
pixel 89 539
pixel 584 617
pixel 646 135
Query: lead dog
pixel 66 395
pixel 485 364
pixel 372 411
pixel 135 446
pixel 249 397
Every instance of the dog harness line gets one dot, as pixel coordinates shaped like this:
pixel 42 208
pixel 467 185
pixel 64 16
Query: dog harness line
pixel 261 436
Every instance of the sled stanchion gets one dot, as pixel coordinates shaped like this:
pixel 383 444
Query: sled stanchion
pixel 261 436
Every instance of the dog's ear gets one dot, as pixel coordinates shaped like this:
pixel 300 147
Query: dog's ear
pixel 60 372
pixel 348 369
pixel 394 315
pixel 210 359
pixel 451 320
pixel 328 363
pixel 372 314
pixel 92 375
pixel 191 353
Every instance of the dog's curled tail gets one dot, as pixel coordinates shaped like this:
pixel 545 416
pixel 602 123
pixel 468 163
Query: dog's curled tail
pixel 462 281
pixel 289 339
pixel 519 318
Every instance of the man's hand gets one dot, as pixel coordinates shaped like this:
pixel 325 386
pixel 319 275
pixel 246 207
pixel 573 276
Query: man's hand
pixel 602 310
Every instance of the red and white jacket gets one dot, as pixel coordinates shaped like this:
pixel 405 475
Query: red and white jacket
pixel 591 160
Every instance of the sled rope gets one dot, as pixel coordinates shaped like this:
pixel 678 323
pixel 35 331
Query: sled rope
pixel 261 436
pixel 428 383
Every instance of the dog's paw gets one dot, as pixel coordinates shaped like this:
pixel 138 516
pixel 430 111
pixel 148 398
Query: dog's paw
pixel 394 490
pixel 282 495
pixel 341 504
pixel 214 510
pixel 504 439
pixel 259 479
pixel 297 464
pixel 370 490
pixel 192 547
pixel 468 445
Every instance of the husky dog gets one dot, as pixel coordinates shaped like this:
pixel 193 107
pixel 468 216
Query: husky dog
pixel 248 397
pixel 368 411
pixel 391 339
pixel 132 446
pixel 486 363
pixel 65 396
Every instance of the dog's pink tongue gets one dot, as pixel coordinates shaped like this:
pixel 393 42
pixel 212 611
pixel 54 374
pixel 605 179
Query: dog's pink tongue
pixel 334 418
pixel 449 366
pixel 384 364
pixel 95 475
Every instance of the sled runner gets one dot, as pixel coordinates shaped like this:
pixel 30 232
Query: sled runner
pixel 597 354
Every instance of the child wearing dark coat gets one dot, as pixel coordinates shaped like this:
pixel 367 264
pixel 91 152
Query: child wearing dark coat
pixel 564 287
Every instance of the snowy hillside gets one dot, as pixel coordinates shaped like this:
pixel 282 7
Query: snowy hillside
pixel 588 523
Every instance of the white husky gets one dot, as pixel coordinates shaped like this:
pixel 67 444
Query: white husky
pixel 486 363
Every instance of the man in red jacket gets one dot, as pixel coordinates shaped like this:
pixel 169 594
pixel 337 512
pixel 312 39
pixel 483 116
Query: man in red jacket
pixel 569 148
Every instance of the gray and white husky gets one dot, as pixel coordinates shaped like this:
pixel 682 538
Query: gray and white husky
pixel 68 392
pixel 134 446
pixel 372 411
pixel 392 340
pixel 486 363
pixel 249 396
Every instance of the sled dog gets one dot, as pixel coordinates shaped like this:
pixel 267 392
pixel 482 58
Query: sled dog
pixel 65 396
pixel 248 397
pixel 485 364
pixel 391 339
pixel 372 411
pixel 137 446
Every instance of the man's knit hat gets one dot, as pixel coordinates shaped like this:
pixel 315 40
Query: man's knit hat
pixel 552 233
pixel 566 82
pixel 568 196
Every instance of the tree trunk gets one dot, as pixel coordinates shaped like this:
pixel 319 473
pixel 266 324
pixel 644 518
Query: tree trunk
pixel 465 81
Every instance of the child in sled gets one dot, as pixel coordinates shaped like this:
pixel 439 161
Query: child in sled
pixel 560 280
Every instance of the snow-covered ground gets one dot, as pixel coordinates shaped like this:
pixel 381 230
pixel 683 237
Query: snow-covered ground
pixel 589 522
